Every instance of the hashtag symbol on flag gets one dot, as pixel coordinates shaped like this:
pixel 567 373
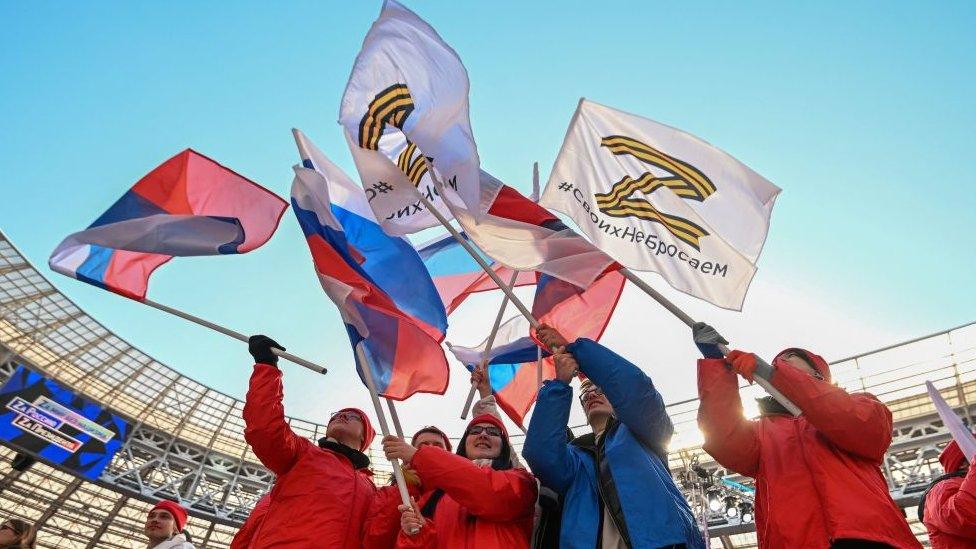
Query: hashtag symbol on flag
pixel 565 186
pixel 382 187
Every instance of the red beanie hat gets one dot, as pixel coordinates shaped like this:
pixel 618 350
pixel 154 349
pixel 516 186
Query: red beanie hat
pixel 173 508
pixel 433 430
pixel 487 418
pixel 368 432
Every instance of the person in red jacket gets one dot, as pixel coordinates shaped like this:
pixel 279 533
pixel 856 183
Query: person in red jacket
pixel 818 475
pixel 948 507
pixel 322 492
pixel 383 522
pixel 242 539
pixel 474 499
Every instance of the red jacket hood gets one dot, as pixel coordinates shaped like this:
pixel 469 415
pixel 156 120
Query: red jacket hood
pixel 818 362
pixel 952 458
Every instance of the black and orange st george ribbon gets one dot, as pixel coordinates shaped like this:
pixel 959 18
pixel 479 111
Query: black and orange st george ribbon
pixel 686 181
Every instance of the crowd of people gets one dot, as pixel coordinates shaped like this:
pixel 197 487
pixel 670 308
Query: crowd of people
pixel 817 475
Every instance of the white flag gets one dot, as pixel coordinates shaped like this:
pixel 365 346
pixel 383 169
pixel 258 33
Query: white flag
pixel 960 433
pixel 658 199
pixel 406 103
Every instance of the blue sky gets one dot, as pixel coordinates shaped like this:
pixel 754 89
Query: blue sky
pixel 862 112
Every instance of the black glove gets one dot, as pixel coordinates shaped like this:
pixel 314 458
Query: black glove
pixel 708 340
pixel 260 348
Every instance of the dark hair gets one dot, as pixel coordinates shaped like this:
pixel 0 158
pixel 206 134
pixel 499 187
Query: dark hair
pixel 26 534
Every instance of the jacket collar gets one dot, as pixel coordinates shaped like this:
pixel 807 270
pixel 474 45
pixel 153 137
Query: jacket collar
pixel 359 460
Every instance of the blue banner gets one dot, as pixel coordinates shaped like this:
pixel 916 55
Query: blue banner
pixel 43 419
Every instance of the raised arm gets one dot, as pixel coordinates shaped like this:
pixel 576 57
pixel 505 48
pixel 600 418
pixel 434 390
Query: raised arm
pixel 546 449
pixel 485 492
pixel 265 428
pixel 635 401
pixel 729 437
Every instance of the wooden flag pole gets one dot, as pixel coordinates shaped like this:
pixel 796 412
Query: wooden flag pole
pixel 384 428
pixel 488 345
pixel 762 374
pixel 236 335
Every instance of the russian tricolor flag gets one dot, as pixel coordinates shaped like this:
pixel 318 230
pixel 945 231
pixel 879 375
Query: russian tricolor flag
pixel 380 285
pixel 189 205
pixel 457 275
pixel 512 363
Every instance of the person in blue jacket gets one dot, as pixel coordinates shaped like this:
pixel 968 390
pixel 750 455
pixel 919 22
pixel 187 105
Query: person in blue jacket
pixel 616 488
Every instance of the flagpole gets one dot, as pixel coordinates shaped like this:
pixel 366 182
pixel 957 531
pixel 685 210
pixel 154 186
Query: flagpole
pixel 488 345
pixel 384 428
pixel 761 377
pixel 472 252
pixel 538 369
pixel 395 417
pixel 236 335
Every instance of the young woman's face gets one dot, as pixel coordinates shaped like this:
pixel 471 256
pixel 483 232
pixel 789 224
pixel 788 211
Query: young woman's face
pixel 7 533
pixel 484 442
pixel 160 524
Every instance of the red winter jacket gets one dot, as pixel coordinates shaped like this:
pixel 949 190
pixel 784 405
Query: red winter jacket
pixel 950 506
pixel 818 476
pixel 243 537
pixel 322 494
pixel 481 508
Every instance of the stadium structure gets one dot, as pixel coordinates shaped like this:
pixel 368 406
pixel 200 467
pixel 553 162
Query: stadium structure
pixel 185 440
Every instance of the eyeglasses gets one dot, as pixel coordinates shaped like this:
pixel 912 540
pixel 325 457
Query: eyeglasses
pixel 491 430
pixel 589 394
pixel 348 416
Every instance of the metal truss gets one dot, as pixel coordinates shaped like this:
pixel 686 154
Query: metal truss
pixel 187 441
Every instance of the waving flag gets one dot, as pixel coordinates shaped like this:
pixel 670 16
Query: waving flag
pixel 658 199
pixel 384 294
pixel 406 105
pixel 520 234
pixel 189 205
pixel 457 275
pixel 511 367
pixel 575 312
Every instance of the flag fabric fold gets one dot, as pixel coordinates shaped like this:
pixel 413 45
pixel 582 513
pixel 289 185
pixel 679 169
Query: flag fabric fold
pixel 187 206
pixel 457 275
pixel 378 282
pixel 576 312
pixel 522 235
pixel 658 199
pixel 511 367
pixel 404 109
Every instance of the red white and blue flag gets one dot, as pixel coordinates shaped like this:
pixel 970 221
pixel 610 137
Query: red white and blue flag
pixel 512 361
pixel 457 275
pixel 188 206
pixel 380 285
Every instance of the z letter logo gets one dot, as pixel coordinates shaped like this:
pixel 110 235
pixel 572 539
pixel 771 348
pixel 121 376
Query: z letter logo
pixel 686 181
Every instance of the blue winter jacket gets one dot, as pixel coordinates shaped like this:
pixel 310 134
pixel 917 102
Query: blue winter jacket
pixel 626 473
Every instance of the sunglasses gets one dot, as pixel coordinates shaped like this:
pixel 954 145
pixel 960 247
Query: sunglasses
pixel 348 416
pixel 489 429
pixel 592 393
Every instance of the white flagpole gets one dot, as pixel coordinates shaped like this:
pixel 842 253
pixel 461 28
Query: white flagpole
pixel 471 251
pixel 384 428
pixel 761 376
pixel 236 335
pixel 538 369
pixel 395 417
pixel 488 345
